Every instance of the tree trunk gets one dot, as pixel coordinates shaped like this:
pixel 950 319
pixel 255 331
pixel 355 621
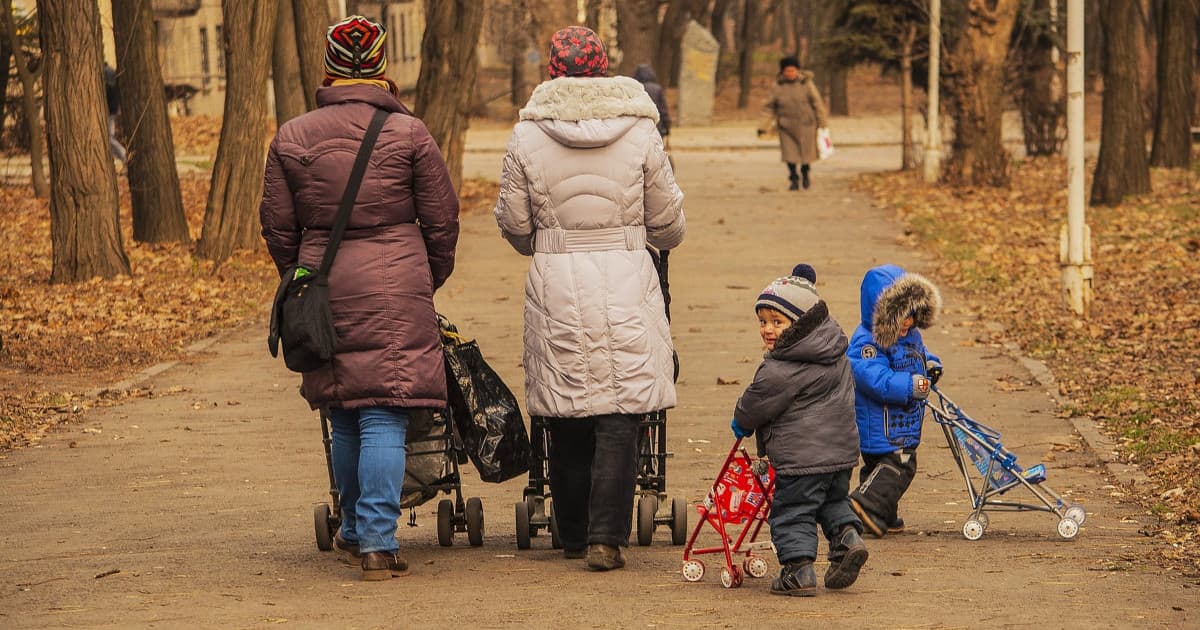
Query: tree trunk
pixel 231 217
pixel 5 66
pixel 748 41
pixel 285 67
pixel 546 17
pixel 717 23
pixel 670 34
pixel 1122 168
pixel 592 12
pixel 1172 145
pixel 153 181
pixel 637 33
pixel 41 188
pixel 311 23
pixel 907 156
pixel 1040 96
pixel 449 65
pixel 85 231
pixel 839 91
pixel 976 90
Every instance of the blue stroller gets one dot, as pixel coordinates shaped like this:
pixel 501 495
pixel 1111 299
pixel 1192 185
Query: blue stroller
pixel 990 470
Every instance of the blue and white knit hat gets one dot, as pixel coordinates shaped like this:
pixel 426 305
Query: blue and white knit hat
pixel 792 295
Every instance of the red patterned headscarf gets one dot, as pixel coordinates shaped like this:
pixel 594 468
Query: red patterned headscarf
pixel 354 49
pixel 576 51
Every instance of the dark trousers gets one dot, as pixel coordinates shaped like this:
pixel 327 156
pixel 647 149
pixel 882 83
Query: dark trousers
pixel 801 503
pixel 593 471
pixel 883 480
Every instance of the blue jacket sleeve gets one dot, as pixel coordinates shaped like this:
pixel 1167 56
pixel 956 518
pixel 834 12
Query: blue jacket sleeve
pixel 874 376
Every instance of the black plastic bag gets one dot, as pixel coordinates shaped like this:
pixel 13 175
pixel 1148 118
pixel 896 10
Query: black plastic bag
pixel 302 320
pixel 485 410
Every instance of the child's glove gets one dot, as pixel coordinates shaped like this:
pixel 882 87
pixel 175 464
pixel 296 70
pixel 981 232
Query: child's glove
pixel 933 369
pixel 738 431
pixel 920 387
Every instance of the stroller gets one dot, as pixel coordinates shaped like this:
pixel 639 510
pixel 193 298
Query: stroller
pixel 989 471
pixel 434 452
pixel 740 496
pixel 653 506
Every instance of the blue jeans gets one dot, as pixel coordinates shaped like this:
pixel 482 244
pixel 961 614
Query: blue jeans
pixel 802 502
pixel 368 469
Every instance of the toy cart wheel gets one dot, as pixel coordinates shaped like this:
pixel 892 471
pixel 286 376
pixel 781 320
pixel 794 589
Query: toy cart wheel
pixel 755 567
pixel 647 507
pixel 983 519
pixel 678 521
pixel 475 521
pixel 1076 513
pixel 321 525
pixel 731 577
pixel 693 570
pixel 1068 528
pixel 523 533
pixel 555 541
pixel 973 529
pixel 445 522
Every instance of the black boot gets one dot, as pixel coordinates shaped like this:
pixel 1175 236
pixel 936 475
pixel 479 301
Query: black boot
pixel 847 555
pixel 804 175
pixel 796 579
pixel 795 182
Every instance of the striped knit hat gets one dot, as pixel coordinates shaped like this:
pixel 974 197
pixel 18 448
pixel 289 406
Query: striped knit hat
pixel 792 295
pixel 354 49
pixel 577 51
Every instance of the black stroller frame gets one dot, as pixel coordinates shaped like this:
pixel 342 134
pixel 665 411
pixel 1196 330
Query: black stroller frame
pixel 453 516
pixel 654 507
pixel 989 471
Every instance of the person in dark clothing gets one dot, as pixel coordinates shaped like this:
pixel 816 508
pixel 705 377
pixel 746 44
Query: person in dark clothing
pixel 801 402
pixel 645 75
pixel 112 98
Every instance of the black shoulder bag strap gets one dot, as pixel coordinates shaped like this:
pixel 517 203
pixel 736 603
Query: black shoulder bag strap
pixel 339 225
pixel 351 194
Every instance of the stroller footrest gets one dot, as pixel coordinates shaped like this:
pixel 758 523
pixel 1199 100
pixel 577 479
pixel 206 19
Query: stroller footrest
pixel 1035 474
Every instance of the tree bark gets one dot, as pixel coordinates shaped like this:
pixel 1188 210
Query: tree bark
pixel 637 33
pixel 153 181
pixel 839 91
pixel 311 22
pixel 231 217
pixel 592 12
pixel 1172 147
pixel 907 156
pixel 748 41
pixel 670 35
pixel 546 17
pixel 1040 96
pixel 1122 168
pixel 975 78
pixel 41 188
pixel 285 67
pixel 85 230
pixel 5 65
pixel 449 65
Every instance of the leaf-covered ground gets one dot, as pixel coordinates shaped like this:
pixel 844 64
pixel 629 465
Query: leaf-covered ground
pixel 60 342
pixel 1132 365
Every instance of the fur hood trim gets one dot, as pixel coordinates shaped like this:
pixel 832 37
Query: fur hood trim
pixel 911 294
pixel 801 328
pixel 575 99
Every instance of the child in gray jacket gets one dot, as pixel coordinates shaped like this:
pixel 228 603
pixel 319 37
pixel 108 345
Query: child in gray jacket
pixel 802 405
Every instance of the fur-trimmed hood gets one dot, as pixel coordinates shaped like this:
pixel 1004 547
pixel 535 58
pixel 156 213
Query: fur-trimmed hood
pixel 588 112
pixel 889 294
pixel 814 338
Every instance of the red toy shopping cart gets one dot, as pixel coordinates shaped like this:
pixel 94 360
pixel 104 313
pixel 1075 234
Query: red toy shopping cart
pixel 740 498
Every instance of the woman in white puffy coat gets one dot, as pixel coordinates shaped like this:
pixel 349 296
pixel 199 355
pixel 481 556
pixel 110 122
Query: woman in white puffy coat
pixel 585 187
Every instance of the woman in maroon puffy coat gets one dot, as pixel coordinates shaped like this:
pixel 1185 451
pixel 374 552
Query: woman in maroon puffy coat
pixel 397 250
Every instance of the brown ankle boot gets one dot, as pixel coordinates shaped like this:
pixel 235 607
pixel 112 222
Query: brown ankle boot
pixel 383 565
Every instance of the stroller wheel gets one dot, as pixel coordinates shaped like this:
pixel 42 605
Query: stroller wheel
pixel 523 533
pixel 678 521
pixel 693 570
pixel 1068 528
pixel 647 507
pixel 755 567
pixel 474 521
pixel 445 522
pixel 1076 513
pixel 324 532
pixel 731 577
pixel 973 529
pixel 983 519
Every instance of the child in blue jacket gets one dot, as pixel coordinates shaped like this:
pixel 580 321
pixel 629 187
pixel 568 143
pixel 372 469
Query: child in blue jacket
pixel 893 371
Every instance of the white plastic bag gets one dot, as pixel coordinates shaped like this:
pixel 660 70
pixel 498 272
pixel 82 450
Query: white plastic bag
pixel 824 143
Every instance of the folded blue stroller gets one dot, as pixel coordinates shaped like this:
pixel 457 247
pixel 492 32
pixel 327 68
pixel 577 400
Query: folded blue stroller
pixel 990 470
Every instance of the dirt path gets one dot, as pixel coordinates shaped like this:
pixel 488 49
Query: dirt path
pixel 193 508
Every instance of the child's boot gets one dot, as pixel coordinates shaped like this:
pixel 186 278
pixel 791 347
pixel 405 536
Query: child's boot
pixel 797 579
pixel 847 555
pixel 896 526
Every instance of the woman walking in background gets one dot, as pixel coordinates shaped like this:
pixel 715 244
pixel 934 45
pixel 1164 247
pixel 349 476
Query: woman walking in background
pixel 796 109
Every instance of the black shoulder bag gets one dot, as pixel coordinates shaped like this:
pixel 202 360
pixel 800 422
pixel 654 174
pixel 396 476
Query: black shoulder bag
pixel 300 315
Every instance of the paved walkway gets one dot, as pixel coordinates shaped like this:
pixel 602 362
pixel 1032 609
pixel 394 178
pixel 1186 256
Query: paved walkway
pixel 193 507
